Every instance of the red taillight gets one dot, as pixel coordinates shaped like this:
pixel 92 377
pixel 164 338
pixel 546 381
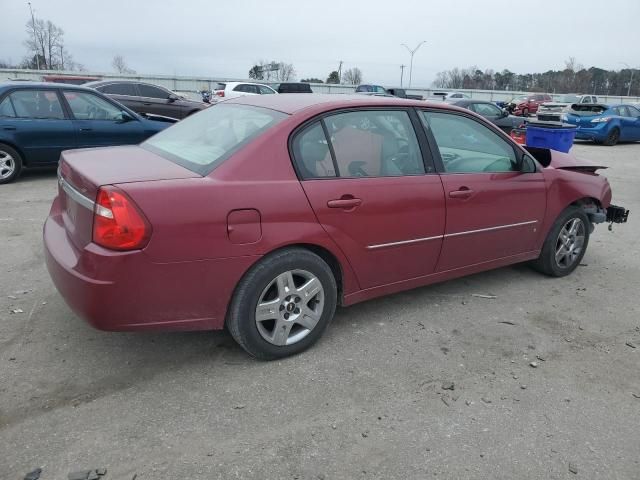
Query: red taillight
pixel 220 93
pixel 117 223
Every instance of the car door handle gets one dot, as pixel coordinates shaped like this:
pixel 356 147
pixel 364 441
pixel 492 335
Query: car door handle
pixel 463 192
pixel 8 127
pixel 86 129
pixel 147 104
pixel 345 202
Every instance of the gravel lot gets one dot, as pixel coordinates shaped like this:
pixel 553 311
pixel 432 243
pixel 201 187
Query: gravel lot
pixel 366 402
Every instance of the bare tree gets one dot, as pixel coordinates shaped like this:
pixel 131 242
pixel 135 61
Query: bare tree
pixel 120 65
pixel 45 46
pixel 286 72
pixel 353 76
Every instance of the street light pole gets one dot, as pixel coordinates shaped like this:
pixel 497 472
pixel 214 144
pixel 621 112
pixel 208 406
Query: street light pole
pixel 630 80
pixel 35 37
pixel 412 53
pixel 402 67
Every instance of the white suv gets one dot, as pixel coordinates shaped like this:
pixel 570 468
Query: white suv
pixel 238 89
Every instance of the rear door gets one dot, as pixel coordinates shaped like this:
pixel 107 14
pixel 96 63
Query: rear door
pixel 122 92
pixel 364 174
pixel 494 210
pixel 633 123
pixel 41 128
pixel 100 123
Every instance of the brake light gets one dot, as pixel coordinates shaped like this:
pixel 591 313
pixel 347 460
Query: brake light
pixel 601 120
pixel 220 93
pixel 117 223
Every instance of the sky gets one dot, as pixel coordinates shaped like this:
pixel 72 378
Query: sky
pixel 224 38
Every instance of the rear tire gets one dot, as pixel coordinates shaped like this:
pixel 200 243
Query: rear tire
pixel 566 243
pixel 283 304
pixel 525 112
pixel 10 164
pixel 612 138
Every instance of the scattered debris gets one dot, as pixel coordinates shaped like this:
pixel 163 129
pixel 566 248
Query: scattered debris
pixel 93 474
pixel 463 302
pixel 515 377
pixel 12 359
pixel 12 297
pixel 636 395
pixel 448 386
pixel 573 468
pixel 507 322
pixel 580 327
pixel 445 400
pixel 567 339
pixel 80 475
pixel 17 310
pixel 523 387
pixel 365 434
pixel 480 295
pixel 334 426
pixel 534 364
pixel 239 406
pixel 583 264
pixel 630 344
pixel 33 475
pixel 541 358
pixel 485 399
pixel 468 402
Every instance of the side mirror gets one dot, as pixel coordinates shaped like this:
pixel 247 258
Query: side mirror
pixel 172 98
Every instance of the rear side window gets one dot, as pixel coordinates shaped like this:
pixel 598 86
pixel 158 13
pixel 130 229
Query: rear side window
pixel 202 142
pixel 150 91
pixel 40 104
pixel 6 109
pixel 368 143
pixel 128 89
pixel 265 90
pixel 243 87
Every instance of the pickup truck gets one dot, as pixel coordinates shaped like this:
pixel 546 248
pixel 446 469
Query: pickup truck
pixel 553 111
pixel 402 93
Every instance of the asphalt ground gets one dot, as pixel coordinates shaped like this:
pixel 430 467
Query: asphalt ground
pixel 366 402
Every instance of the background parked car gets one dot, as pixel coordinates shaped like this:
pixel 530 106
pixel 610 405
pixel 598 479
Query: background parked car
pixel 146 98
pixel 293 87
pixel 448 96
pixel 526 105
pixel 492 112
pixel 553 111
pixel 238 89
pixel 367 88
pixel 40 120
pixel 402 93
pixel 605 124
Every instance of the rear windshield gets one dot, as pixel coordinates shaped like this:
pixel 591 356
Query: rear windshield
pixel 202 142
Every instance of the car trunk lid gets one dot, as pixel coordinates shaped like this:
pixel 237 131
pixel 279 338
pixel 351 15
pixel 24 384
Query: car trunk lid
pixel 82 172
pixel 582 114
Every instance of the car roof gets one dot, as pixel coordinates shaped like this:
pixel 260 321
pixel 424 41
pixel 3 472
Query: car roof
pixel 50 85
pixel 244 83
pixel 295 102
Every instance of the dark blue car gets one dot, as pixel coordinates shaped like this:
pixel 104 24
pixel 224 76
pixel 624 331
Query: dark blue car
pixel 605 124
pixel 40 120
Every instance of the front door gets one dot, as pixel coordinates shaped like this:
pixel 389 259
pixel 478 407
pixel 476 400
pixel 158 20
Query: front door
pixel 156 100
pixel 100 123
pixel 365 177
pixel 40 127
pixel 494 210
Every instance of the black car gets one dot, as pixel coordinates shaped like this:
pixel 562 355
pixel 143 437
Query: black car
pixel 146 98
pixel 491 112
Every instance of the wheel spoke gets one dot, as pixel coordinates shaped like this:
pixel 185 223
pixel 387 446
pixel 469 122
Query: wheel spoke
pixel 577 246
pixel 575 224
pixel 267 310
pixel 308 318
pixel 281 332
pixel 310 289
pixel 561 253
pixel 285 284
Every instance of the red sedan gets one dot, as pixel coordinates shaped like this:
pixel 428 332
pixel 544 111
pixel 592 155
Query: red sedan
pixel 264 213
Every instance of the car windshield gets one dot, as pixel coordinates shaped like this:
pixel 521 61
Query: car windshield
pixel 568 99
pixel 202 142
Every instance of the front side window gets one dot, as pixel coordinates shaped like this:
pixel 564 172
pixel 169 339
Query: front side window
pixel 487 110
pixel 87 106
pixel 6 109
pixel 633 111
pixel 367 143
pixel 202 142
pixel 128 89
pixel 150 91
pixel 467 146
pixel 39 104
pixel 264 90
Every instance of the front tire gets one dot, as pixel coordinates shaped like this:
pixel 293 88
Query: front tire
pixel 566 243
pixel 10 164
pixel 525 112
pixel 283 304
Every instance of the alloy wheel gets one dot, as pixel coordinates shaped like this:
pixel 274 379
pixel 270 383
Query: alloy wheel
pixel 289 307
pixel 570 242
pixel 7 165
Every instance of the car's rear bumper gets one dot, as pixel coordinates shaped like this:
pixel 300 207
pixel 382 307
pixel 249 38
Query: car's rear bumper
pixel 127 291
pixel 598 133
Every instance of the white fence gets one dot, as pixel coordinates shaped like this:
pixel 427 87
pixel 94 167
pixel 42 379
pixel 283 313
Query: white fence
pixel 186 83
